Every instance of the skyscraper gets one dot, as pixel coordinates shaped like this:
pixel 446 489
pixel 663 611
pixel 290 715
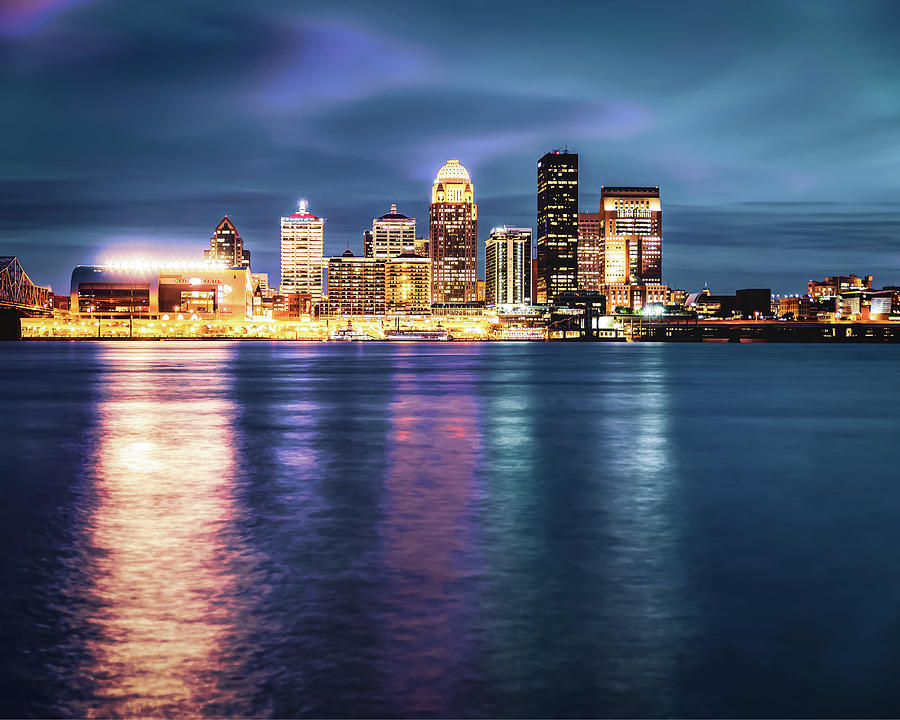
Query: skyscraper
pixel 557 230
pixel 393 234
pixel 588 251
pixel 631 243
pixel 452 224
pixel 226 245
pixel 302 244
pixel 507 266
pixel 631 247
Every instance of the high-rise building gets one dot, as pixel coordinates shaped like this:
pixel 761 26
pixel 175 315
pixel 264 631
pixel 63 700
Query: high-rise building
pixel 226 245
pixel 588 251
pixel 452 223
pixel 631 247
pixel 368 243
pixel 407 284
pixel 302 245
pixel 631 241
pixel 507 266
pixel 557 230
pixel 355 285
pixel 393 234
pixel 421 247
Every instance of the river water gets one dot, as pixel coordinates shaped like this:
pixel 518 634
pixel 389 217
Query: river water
pixel 280 529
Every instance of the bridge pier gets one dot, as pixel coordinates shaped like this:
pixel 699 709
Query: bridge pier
pixel 10 324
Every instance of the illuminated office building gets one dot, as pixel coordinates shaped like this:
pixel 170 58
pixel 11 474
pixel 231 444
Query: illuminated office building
pixel 376 286
pixel 631 240
pixel 393 234
pixel 588 251
pixel 302 245
pixel 355 285
pixel 507 266
pixel 631 247
pixel 557 231
pixel 368 243
pixel 407 284
pixel 227 246
pixel 452 223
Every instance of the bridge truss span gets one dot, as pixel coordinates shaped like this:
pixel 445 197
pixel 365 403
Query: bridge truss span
pixel 18 291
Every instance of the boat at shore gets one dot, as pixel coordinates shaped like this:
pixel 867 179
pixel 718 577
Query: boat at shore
pixel 349 334
pixel 523 334
pixel 439 335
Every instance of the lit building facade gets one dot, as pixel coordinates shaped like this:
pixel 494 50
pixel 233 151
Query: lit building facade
pixel 355 285
pixel 453 224
pixel 378 286
pixel 834 286
pixel 589 251
pixel 392 234
pixel 631 240
pixel 507 266
pixel 634 296
pixel 794 307
pixel 291 305
pixel 302 246
pixel 261 281
pixel 557 225
pixel 226 245
pixel 407 284
pixel 201 290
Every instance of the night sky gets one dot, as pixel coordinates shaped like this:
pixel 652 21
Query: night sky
pixel 772 128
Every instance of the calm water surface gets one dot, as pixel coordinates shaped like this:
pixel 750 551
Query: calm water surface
pixel 435 530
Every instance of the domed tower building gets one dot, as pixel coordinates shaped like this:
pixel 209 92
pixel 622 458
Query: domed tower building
pixel 453 223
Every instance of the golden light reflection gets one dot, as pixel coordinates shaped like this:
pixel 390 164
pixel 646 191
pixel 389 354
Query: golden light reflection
pixel 168 574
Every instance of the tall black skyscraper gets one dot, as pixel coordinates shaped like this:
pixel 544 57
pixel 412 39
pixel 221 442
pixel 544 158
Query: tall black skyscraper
pixel 557 225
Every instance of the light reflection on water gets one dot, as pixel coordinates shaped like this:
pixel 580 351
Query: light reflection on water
pixel 430 493
pixel 474 530
pixel 643 577
pixel 167 579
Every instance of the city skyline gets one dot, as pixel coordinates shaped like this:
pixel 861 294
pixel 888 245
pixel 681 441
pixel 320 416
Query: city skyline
pixel 130 133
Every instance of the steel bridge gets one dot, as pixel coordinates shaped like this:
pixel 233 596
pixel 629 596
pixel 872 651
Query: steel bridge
pixel 19 297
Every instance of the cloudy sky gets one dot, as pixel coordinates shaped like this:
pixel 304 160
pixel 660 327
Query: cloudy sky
pixel 772 128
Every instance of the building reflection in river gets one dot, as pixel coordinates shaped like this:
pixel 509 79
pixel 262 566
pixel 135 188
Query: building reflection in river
pixel 166 585
pixel 431 497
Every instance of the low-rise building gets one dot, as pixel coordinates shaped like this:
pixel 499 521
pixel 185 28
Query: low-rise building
pixel 148 290
pixel 794 307
pixel 834 286
pixel 291 305
pixel 634 296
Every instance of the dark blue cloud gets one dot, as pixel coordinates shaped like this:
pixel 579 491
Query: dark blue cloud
pixel 131 125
